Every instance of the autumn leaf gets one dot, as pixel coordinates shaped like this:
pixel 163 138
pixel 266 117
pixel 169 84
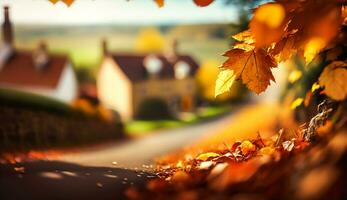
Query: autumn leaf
pixel 245 37
pixel 67 2
pixel 245 41
pixel 296 103
pixel 224 81
pixel 315 86
pixel 266 151
pixel 268 23
pixel 285 48
pixel 160 3
pixel 333 79
pixel 318 24
pixel 54 1
pixel 247 147
pixel 312 48
pixel 294 76
pixel 206 156
pixel 203 3
pixel 253 67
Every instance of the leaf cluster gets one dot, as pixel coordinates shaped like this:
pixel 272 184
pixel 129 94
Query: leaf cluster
pixel 281 30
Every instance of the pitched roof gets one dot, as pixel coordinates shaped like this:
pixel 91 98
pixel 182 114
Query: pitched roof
pixel 133 65
pixel 20 70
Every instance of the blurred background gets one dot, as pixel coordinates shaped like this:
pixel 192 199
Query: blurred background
pixel 120 68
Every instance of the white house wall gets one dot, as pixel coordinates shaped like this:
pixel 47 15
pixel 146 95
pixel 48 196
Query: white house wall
pixel 66 90
pixel 114 89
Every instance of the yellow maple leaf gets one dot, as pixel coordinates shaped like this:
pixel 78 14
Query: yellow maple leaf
pixel 206 156
pixel 333 79
pixel 224 81
pixel 315 86
pixel 253 67
pixel 294 76
pixel 296 103
pixel 313 47
pixel 244 46
pixel 245 37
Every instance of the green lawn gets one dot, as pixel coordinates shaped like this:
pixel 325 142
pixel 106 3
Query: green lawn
pixel 142 127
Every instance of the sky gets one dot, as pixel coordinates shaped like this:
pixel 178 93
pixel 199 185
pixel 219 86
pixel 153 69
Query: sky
pixel 88 12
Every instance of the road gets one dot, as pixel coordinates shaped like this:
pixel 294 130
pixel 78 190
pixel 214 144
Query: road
pixel 98 173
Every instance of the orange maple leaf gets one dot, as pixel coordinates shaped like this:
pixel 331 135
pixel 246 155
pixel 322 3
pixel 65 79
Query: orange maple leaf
pixel 160 3
pixel 253 67
pixel 268 24
pixel 203 3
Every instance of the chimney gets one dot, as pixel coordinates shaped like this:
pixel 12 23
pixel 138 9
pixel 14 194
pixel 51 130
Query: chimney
pixel 40 56
pixel 172 52
pixel 104 47
pixel 7 33
pixel 174 47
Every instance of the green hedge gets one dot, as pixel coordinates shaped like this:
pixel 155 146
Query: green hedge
pixel 31 101
pixel 154 109
pixel 33 121
pixel 26 129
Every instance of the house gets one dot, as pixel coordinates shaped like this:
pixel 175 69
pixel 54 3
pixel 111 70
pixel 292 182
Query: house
pixel 39 71
pixel 125 80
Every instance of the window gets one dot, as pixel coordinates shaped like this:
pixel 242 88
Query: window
pixel 182 70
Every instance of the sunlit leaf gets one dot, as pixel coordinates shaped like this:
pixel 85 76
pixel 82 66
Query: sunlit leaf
pixel 294 76
pixel 253 67
pixel 224 81
pixel 312 48
pixel 266 151
pixel 315 86
pixel 247 147
pixel 245 37
pixel 207 156
pixel 267 24
pixel 296 103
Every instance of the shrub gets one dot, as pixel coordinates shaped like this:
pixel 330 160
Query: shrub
pixel 154 109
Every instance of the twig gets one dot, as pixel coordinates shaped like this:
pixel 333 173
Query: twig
pixel 317 121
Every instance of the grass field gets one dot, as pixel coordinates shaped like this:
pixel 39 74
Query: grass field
pixel 141 127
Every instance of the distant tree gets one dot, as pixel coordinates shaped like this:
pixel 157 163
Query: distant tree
pixel 150 40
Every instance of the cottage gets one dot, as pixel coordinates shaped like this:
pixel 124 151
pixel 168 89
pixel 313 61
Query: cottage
pixel 37 71
pixel 125 80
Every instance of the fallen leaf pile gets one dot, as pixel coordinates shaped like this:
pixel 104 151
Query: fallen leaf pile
pixel 279 167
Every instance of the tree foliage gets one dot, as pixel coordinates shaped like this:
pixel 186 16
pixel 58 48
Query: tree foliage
pixel 283 29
